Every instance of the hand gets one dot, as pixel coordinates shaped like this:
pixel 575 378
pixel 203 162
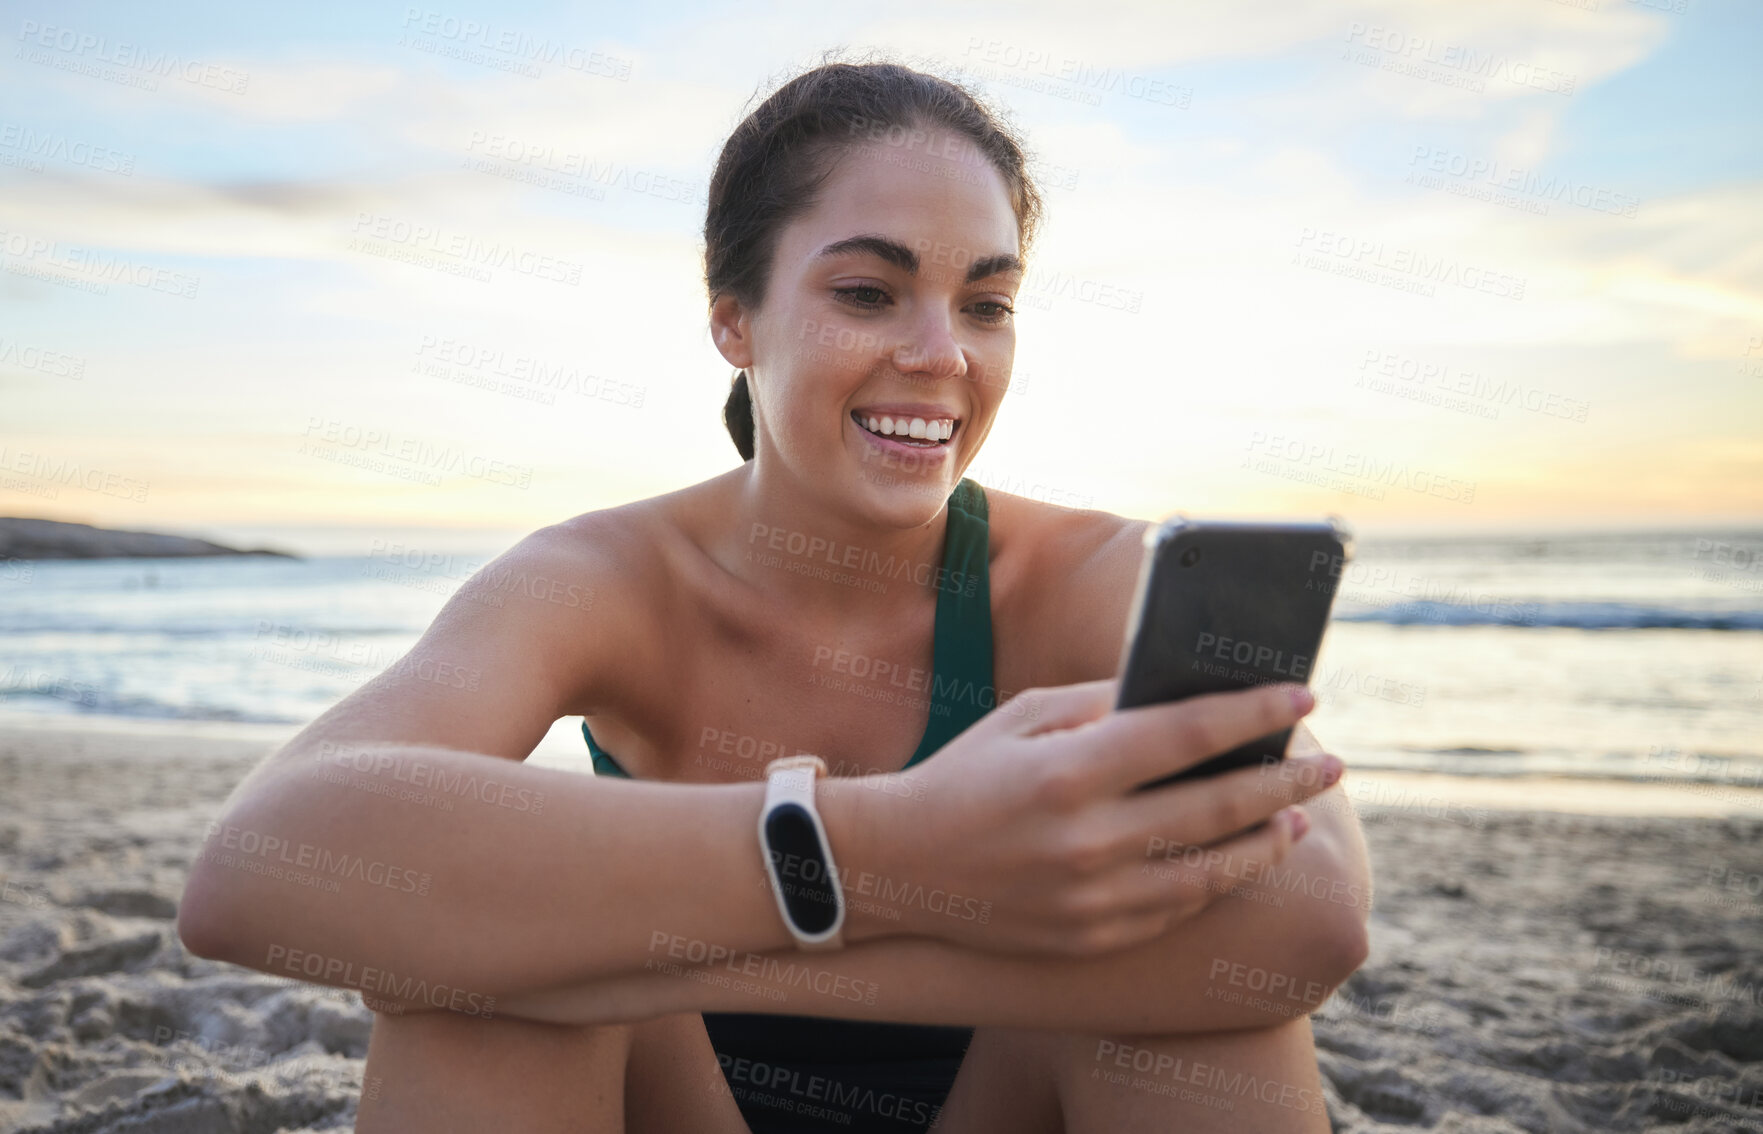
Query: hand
pixel 1025 833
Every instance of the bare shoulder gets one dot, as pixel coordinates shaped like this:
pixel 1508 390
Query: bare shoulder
pixel 579 591
pixel 1065 579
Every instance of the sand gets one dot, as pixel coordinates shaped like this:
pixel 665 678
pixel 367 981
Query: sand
pixel 1530 971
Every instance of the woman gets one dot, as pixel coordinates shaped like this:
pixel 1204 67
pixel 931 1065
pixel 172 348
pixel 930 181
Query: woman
pixel 1024 952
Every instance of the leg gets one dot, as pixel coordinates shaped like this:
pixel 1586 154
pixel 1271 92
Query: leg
pixel 673 1084
pixel 446 1073
pixel 454 1074
pixel 1006 1082
pixel 1061 1083
pixel 1263 1079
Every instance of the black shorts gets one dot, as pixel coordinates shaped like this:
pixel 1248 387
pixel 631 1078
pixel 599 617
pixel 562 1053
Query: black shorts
pixel 805 1075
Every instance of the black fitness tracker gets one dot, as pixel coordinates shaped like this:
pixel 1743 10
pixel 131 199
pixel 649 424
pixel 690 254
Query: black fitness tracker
pixel 798 855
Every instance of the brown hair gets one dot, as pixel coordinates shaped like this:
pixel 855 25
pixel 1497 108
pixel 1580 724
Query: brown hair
pixel 776 159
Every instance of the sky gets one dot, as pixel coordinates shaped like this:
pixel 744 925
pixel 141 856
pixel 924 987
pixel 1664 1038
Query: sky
pixel 1427 266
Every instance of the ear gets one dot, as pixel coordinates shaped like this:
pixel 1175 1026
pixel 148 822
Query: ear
pixel 731 330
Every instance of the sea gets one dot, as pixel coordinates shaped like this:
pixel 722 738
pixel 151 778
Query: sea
pixel 1618 656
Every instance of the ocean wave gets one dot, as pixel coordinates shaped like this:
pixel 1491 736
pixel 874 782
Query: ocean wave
pixel 82 698
pixel 1582 615
pixel 54 622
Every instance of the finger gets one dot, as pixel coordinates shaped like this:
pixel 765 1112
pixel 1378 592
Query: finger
pixel 1303 741
pixel 1134 746
pixel 1059 707
pixel 1198 813
pixel 1188 878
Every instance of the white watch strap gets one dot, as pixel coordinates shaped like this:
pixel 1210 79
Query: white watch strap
pixel 790 780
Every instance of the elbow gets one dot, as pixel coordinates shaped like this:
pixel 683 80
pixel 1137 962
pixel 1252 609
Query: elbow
pixel 204 920
pixel 1348 948
pixel 1342 943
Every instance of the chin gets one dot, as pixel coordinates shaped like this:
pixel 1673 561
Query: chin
pixel 907 499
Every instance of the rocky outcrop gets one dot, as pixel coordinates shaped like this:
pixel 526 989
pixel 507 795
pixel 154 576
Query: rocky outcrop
pixel 22 538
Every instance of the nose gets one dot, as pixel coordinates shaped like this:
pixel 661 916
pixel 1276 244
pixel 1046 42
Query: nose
pixel 931 350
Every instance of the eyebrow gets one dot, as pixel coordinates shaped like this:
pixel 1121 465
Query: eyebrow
pixel 906 259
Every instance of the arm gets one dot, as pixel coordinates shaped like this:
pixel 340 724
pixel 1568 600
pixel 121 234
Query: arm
pixel 399 837
pixel 398 843
pixel 1284 939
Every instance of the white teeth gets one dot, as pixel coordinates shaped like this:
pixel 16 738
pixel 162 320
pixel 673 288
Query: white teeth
pixel 916 427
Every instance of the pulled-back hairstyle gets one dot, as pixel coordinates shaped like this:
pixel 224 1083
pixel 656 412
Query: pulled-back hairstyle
pixel 776 159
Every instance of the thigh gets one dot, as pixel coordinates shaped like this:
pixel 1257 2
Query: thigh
pixel 455 1074
pixel 1260 1079
pixel 1006 1082
pixel 673 1084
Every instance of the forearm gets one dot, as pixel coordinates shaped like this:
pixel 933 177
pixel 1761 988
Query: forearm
pixel 1272 950
pixel 485 876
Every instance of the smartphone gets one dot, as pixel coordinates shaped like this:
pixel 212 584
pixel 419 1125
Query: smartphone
pixel 1223 605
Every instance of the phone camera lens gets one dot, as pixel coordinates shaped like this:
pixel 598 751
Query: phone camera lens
pixel 1190 557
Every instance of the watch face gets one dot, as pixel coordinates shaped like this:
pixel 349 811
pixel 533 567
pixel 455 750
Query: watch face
pixel 801 868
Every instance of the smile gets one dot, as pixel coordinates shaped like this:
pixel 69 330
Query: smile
pixel 916 432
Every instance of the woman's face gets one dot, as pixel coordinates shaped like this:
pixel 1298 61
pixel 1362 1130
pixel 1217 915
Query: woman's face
pixel 889 304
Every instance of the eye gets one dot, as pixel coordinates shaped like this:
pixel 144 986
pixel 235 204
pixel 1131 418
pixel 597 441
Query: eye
pixel 864 297
pixel 998 312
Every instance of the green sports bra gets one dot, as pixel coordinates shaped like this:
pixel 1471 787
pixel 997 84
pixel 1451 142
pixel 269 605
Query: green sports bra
pixel 961 668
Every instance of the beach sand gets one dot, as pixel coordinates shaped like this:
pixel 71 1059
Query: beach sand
pixel 1530 971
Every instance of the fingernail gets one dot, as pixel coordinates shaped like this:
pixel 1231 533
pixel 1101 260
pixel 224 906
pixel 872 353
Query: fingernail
pixel 1301 697
pixel 1300 824
pixel 1331 770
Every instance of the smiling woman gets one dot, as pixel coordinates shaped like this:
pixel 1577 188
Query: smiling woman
pixel 1011 953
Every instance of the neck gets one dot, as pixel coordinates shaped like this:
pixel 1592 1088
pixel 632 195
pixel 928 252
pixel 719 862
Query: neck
pixel 829 557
